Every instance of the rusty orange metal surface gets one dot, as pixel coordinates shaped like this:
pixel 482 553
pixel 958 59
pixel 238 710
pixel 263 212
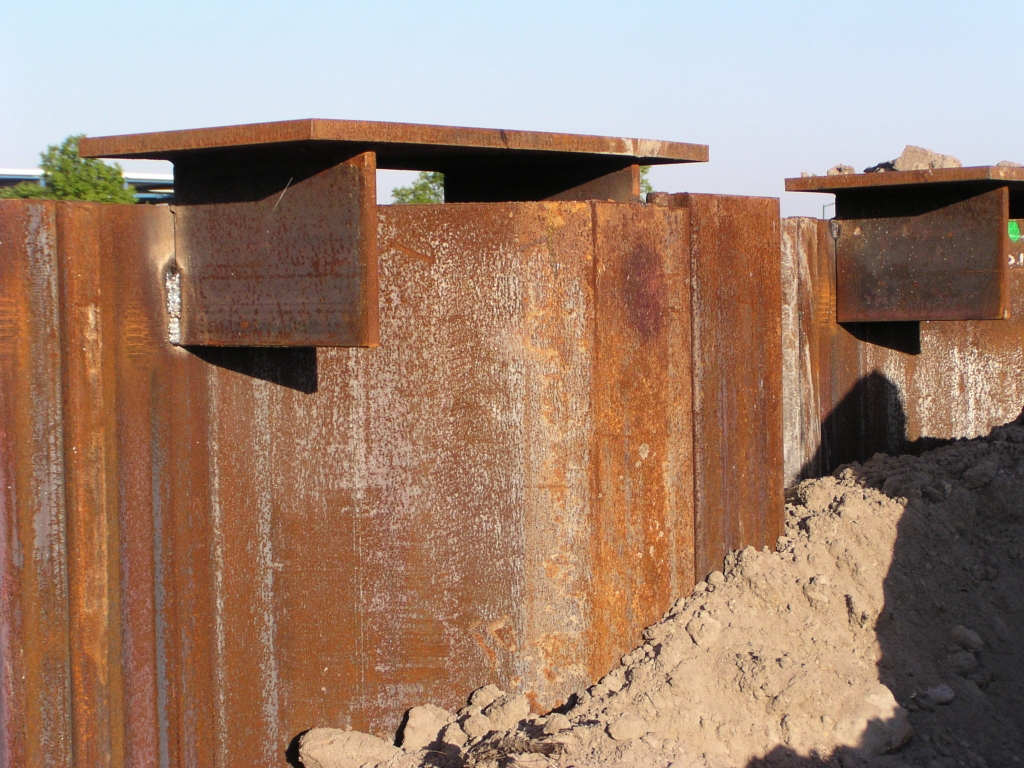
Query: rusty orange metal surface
pixel 737 374
pixel 35 668
pixel 256 541
pixel 642 461
pixel 276 255
pixel 479 164
pixel 396 144
pixel 931 253
pixel 854 389
pixel 921 245
pixel 983 177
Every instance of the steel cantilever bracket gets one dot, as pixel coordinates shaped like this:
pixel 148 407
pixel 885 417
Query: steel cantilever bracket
pixel 278 254
pixel 276 223
pixel 921 245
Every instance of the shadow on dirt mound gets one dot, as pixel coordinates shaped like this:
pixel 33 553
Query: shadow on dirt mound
pixel 951 631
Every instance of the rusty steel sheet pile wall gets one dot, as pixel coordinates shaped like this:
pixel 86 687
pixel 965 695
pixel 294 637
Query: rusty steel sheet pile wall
pixel 737 349
pixel 208 550
pixel 855 389
pixel 35 669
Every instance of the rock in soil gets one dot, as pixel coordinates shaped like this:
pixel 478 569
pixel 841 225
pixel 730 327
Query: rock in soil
pixel 916 159
pixel 332 748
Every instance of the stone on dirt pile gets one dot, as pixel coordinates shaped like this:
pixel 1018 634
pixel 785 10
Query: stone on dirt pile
pixel 507 711
pixel 920 159
pixel 423 726
pixel 333 748
pixel 840 170
pixel 916 159
pixel 887 630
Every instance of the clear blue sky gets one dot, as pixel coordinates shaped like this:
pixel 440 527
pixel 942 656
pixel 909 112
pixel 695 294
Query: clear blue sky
pixel 774 88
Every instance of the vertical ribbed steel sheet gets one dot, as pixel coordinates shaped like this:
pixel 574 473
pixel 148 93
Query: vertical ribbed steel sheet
pixel 207 551
pixel 855 389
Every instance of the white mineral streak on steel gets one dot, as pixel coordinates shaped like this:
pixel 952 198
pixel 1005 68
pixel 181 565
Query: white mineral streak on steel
pixel 172 281
pixel 47 417
pixel 809 395
pixel 647 148
pixel 963 390
pixel 159 249
pixel 46 410
pixel 158 471
pixel 964 381
pixel 266 417
pixel 678 486
pixel 793 458
pixel 43 493
pixel 445 393
pixel 216 512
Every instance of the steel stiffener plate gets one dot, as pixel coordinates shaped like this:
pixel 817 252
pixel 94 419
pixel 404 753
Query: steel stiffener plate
pixel 938 256
pixel 278 255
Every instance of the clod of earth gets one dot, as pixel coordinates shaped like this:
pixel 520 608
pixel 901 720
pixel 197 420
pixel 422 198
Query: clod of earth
pixel 888 630
pixel 916 159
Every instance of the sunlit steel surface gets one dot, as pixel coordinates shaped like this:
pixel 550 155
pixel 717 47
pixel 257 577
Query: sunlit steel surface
pixel 211 549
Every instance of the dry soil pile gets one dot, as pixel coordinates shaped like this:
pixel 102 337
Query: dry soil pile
pixel 887 630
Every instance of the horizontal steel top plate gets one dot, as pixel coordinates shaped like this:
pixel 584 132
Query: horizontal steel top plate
pixel 987 175
pixel 401 146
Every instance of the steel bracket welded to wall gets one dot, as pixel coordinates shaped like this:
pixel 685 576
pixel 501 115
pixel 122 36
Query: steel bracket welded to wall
pixel 275 223
pixel 277 254
pixel 921 245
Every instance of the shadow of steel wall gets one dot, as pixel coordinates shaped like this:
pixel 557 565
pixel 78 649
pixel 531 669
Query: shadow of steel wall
pixel 856 389
pixel 207 551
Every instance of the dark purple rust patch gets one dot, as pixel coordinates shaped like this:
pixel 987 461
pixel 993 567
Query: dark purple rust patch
pixel 643 288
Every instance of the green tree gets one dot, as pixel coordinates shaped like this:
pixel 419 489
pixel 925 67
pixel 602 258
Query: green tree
pixel 68 176
pixel 645 183
pixel 427 188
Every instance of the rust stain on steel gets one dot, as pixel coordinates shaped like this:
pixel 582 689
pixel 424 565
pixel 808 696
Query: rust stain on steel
pixel 373 527
pixel 642 453
pixel 277 254
pixel 863 388
pixel 931 253
pixel 90 455
pixel 134 249
pixel 136 448
pixel 421 523
pixel 35 669
pixel 737 369
pixel 395 143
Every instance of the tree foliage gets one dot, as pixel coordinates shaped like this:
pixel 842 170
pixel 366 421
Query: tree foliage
pixel 68 176
pixel 645 183
pixel 427 188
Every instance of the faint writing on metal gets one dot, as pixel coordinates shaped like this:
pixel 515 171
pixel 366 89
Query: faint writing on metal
pixel 8 319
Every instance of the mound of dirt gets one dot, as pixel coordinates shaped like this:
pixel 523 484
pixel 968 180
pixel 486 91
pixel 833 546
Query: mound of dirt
pixel 887 630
